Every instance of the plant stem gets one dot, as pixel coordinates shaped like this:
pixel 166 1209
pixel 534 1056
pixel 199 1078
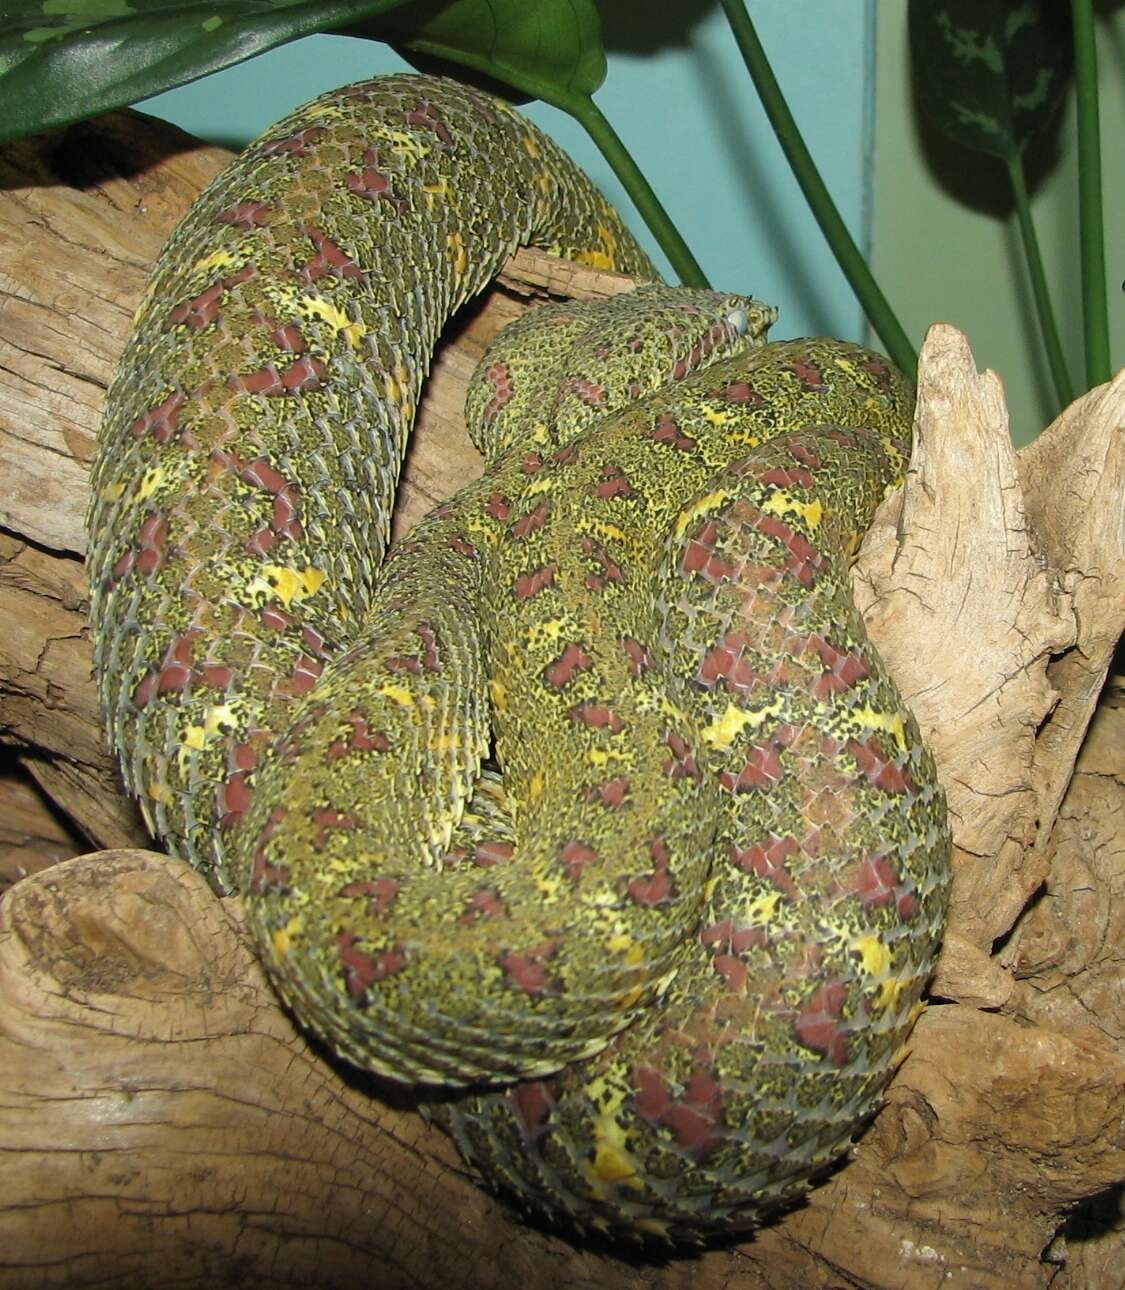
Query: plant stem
pixel 587 113
pixel 871 298
pixel 1095 309
pixel 1047 325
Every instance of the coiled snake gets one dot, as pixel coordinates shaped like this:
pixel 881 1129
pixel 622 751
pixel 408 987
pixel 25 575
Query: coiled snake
pixel 663 962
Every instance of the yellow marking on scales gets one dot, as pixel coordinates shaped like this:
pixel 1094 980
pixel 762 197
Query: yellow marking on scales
pixel 760 912
pixel 113 491
pixel 287 584
pixel 873 954
pixel 724 730
pixel 537 785
pixel 602 529
pixel 782 503
pixel 220 259
pixel 601 757
pixel 402 143
pixel 317 307
pixel 441 191
pixel 498 693
pixel 283 937
pixel 398 694
pixel 613 1161
pixel 544 484
pixel 889 722
pixel 702 506
pixel 150 482
pixel 459 257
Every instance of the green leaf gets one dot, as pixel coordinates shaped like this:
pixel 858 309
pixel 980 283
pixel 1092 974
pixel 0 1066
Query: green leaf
pixel 62 60
pixel 549 49
pixel 991 73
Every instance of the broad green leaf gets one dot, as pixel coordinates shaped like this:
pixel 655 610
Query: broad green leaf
pixel 62 60
pixel 548 49
pixel 991 73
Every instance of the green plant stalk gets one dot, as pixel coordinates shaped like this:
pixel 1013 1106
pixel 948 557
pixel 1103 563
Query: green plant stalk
pixel 871 298
pixel 1047 324
pixel 588 115
pixel 1095 307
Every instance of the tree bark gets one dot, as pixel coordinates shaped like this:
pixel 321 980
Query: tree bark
pixel 162 1119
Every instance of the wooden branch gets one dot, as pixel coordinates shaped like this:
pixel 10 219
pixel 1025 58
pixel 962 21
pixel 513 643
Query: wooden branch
pixel 163 1121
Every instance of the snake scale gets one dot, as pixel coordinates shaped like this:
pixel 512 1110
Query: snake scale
pixel 593 806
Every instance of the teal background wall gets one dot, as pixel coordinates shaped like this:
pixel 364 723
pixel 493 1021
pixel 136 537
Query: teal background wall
pixel 678 94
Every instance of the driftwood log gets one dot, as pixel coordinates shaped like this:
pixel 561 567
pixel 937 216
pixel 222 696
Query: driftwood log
pixel 161 1119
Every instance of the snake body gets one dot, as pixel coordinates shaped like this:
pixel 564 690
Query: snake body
pixel 663 963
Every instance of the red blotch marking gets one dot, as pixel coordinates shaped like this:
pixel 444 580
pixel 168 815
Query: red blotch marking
pixel 380 893
pixel 588 392
pixel 640 660
pixel 462 546
pixel 791 477
pixel 329 258
pixel 576 857
pixel 733 942
pixel 528 972
pixel 694 1116
pixel 657 887
pixel 681 765
pixel 427 115
pixel 362 739
pixel 611 570
pixel 561 672
pixel 533 1100
pixel 819 1023
pixel 487 854
pixel 145 689
pixel 567 455
pixel 299 144
pixel 362 970
pixel 846 438
pixel 762 769
pixel 234 794
pixel 767 860
pixel 726 662
pixel 264 876
pixel 153 535
pixel 879 768
pixel 276 619
pixel 247 215
pixel 161 421
pixel 804 455
pixel 300 377
pixel 485 902
pixel 375 184
pixel 498 506
pixel 499 377
pixel 289 339
pixel 878 885
pixel 531 584
pixel 808 373
pixel 326 818
pixel 531 522
pixel 200 311
pixel 306 672
pixel 881 372
pixel 742 392
pixel 612 793
pixel 667 431
pixel 615 483
pixel 532 464
pixel 598 716
pixel 177 668
pixel 285 521
pixel 699 556
pixel 805 562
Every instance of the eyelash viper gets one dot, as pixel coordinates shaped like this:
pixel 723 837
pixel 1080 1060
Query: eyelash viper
pixel 712 800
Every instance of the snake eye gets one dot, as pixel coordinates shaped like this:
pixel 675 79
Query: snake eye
pixel 739 321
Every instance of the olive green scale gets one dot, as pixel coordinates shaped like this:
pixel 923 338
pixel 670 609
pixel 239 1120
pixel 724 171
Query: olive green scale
pixel 683 930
